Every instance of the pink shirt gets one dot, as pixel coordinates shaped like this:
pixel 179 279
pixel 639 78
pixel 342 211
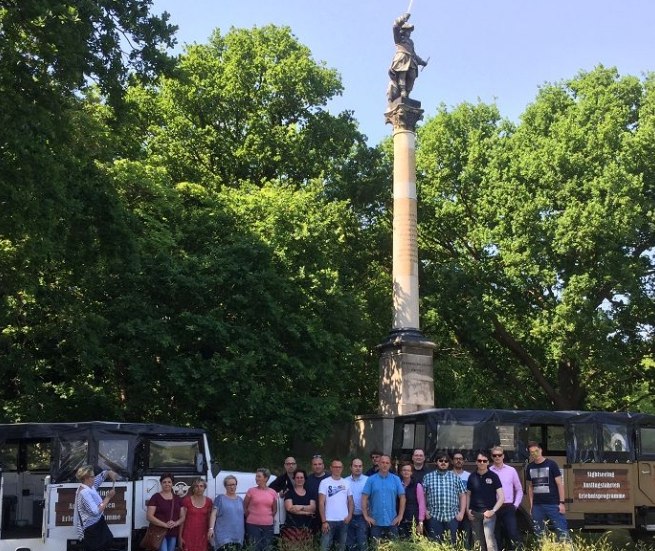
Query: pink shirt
pixel 260 506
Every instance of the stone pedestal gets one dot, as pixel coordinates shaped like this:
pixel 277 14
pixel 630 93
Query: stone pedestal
pixel 406 375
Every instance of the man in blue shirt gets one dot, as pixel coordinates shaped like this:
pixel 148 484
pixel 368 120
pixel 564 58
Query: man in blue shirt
pixel 358 528
pixel 379 497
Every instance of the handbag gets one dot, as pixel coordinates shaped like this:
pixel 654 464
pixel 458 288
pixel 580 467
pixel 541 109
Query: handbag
pixel 156 534
pixel 153 537
pixel 98 536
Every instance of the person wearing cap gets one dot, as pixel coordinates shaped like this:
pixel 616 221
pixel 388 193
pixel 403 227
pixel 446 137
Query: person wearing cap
pixel 404 66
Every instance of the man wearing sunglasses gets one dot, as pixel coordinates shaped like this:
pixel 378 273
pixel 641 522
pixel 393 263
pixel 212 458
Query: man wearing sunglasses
pixel 446 500
pixel 506 527
pixel 546 492
pixel 485 498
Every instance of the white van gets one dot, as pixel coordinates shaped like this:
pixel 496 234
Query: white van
pixel 38 462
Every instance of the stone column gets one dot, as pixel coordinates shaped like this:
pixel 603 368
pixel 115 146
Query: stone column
pixel 406 376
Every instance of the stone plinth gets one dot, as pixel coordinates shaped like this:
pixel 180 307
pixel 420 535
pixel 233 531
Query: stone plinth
pixel 406 373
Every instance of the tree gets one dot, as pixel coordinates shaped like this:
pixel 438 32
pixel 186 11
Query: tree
pixel 247 106
pixel 538 243
pixel 62 222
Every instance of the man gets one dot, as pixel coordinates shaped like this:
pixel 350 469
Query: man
pixel 357 529
pixel 420 467
pixel 284 482
pixel 506 527
pixel 404 66
pixel 383 501
pixel 375 457
pixel 464 526
pixel 446 500
pixel 335 507
pixel 485 498
pixel 312 484
pixel 545 492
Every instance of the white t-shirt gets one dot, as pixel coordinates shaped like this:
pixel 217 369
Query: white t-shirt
pixel 336 494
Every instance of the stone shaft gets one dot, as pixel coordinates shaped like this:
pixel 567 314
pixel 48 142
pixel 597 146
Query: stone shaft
pixel 405 248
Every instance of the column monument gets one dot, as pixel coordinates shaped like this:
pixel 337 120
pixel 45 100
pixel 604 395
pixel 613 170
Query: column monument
pixel 406 374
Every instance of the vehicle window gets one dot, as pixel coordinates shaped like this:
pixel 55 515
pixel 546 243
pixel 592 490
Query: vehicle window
pixel 508 436
pixel 454 436
pixel 647 439
pixel 9 457
pixel 113 454
pixel 615 438
pixel 73 454
pixel 551 437
pixel 408 436
pixel 584 442
pixel 38 455
pixel 173 455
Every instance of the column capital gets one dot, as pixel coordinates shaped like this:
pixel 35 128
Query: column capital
pixel 403 114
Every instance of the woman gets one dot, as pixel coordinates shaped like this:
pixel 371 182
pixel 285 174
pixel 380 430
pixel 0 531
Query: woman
pixel 164 510
pixel 261 507
pixel 197 518
pixel 88 516
pixel 414 503
pixel 300 512
pixel 229 527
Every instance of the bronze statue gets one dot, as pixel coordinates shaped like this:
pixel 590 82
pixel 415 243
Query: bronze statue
pixel 404 67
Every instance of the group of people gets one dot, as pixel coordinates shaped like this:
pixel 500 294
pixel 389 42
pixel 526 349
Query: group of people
pixel 440 501
pixel 443 501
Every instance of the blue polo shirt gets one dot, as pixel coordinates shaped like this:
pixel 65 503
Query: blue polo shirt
pixel 383 492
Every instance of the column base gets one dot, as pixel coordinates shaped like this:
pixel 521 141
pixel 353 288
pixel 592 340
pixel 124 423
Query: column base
pixel 406 372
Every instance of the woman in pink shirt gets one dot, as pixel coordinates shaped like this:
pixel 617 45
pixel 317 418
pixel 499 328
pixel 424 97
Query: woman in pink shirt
pixel 260 506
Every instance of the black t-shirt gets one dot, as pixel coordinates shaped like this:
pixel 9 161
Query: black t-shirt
pixel 298 521
pixel 542 476
pixel 281 483
pixel 312 483
pixel 483 490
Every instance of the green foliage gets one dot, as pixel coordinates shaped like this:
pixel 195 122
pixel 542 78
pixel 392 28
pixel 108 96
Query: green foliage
pixel 247 106
pixel 538 244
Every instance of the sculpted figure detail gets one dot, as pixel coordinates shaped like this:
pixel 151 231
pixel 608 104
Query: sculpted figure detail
pixel 404 67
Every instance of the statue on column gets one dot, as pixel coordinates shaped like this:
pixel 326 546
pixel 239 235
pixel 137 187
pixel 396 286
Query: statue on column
pixel 404 67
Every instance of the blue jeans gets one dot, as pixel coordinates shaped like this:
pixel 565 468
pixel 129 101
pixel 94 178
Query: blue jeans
pixel 542 513
pixel 483 531
pixel 386 532
pixel 437 529
pixel 357 534
pixel 260 537
pixel 337 534
pixel 168 543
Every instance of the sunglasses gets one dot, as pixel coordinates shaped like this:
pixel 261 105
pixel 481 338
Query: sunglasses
pixel 497 455
pixel 442 461
pixel 483 461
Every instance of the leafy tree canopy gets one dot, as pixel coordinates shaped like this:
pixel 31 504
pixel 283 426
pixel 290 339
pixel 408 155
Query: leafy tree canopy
pixel 538 243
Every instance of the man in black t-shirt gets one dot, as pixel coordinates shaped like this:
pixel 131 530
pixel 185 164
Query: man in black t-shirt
pixel 546 492
pixel 485 497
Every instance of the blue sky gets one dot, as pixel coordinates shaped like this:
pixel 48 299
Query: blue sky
pixel 495 51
